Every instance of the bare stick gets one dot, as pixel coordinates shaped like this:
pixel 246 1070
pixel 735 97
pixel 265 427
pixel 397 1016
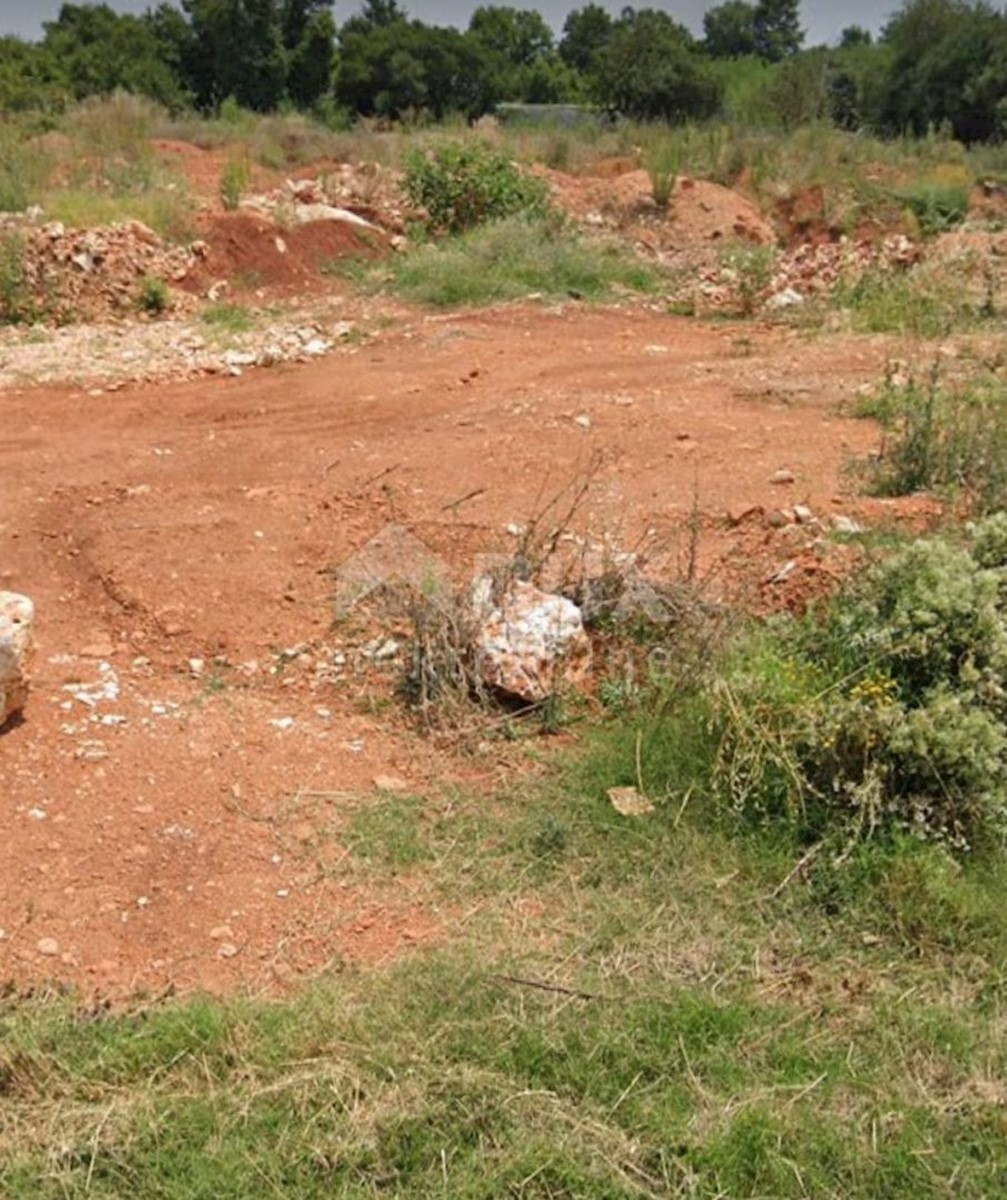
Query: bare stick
pixel 548 987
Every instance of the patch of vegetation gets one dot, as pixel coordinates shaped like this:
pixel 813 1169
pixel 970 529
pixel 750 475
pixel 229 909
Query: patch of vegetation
pixel 750 269
pixel 665 158
pixel 234 181
pixel 511 259
pixel 945 438
pixel 937 207
pixel 465 184
pixel 917 301
pixel 230 318
pixel 17 304
pixel 152 296
pixel 676 1025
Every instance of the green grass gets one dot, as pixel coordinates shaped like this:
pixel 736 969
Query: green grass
pixel 228 318
pixel 169 212
pixel 842 1038
pixel 511 259
pixel 923 302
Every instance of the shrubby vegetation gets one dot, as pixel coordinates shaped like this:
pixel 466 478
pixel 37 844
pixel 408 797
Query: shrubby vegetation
pixel 463 184
pixel 936 63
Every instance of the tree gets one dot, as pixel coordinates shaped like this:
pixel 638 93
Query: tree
pixel 650 71
pixel 29 79
pixel 375 14
pixel 854 35
pixel 585 31
pixel 239 52
pixel 800 92
pixel 518 35
pixel 948 65
pixel 777 27
pixel 98 51
pixel 405 66
pixel 309 37
pixel 260 51
pixel 730 30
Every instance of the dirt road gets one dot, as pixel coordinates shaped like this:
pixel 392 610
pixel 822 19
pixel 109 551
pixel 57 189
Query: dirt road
pixel 163 799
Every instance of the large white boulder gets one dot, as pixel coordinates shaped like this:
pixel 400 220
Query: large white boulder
pixel 532 644
pixel 16 616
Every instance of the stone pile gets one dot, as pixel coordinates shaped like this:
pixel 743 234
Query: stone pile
pixel 809 270
pixel 70 275
pixel 359 193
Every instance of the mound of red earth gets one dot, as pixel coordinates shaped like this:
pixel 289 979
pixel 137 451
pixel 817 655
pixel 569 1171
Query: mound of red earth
pixel 247 251
pixel 700 213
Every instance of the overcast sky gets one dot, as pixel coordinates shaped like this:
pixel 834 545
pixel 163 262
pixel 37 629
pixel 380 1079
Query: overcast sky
pixel 823 19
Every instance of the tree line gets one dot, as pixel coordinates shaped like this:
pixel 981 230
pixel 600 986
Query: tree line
pixel 935 63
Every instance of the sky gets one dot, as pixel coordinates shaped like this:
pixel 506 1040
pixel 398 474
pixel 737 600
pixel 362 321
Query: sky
pixel 823 19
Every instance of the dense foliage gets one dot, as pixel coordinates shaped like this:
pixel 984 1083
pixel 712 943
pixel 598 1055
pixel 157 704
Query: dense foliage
pixel 937 63
pixel 889 714
pixel 463 184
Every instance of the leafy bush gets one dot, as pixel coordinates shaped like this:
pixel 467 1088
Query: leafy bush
pixel 464 184
pixel 888 714
pixel 944 438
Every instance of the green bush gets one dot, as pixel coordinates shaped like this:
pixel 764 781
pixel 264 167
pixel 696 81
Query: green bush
pixel 888 715
pixel 152 296
pixel 464 184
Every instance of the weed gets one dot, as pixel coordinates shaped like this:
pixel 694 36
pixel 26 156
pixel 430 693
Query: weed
pixel 917 302
pixel 234 181
pixel 664 158
pixel 750 269
pixel 17 304
pixel 883 714
pixel 152 296
pixel 944 438
pixel 112 134
pixel 937 207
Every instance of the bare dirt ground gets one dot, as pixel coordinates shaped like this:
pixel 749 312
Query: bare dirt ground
pixel 179 798
pixel 175 795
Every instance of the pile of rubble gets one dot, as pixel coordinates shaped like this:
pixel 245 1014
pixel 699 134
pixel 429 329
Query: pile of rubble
pixel 64 275
pixel 363 194
pixel 803 273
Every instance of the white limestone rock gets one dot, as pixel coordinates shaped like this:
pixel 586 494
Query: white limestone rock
pixel 532 644
pixel 17 614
